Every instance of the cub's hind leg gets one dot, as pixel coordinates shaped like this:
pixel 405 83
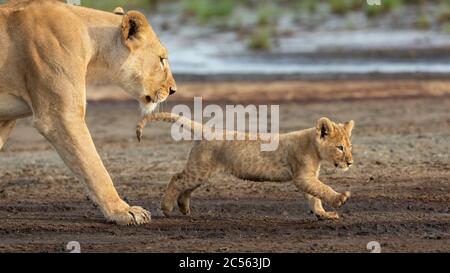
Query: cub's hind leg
pixel 184 197
pixel 180 187
pixel 316 207
pixel 201 165
pixel 184 200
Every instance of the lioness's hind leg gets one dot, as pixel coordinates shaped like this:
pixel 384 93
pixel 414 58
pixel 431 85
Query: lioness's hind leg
pixel 6 128
pixel 316 207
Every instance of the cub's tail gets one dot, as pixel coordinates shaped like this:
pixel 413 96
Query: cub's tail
pixel 171 118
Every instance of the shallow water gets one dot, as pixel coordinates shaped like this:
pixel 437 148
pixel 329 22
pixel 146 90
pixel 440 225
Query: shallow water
pixel 206 52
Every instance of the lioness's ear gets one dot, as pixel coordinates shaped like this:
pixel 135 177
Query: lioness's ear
pixel 324 127
pixel 348 126
pixel 133 26
pixel 119 11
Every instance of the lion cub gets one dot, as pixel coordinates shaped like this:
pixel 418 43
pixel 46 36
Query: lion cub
pixel 296 159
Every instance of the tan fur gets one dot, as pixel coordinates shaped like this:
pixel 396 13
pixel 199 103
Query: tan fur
pixel 297 159
pixel 50 51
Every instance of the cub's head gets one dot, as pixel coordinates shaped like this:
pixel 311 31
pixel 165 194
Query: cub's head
pixel 333 142
pixel 145 71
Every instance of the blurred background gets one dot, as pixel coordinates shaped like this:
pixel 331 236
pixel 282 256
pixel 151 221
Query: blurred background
pixel 299 37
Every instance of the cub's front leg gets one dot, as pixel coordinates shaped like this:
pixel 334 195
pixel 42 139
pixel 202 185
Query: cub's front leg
pixel 316 207
pixel 313 186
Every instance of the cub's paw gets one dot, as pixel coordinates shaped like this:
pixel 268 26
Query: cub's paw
pixel 185 210
pixel 183 205
pixel 166 208
pixel 327 215
pixel 131 216
pixel 341 199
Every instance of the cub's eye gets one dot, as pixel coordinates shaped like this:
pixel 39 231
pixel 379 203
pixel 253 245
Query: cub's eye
pixel 161 62
pixel 340 148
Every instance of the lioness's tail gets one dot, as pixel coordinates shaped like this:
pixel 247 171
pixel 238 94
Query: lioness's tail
pixel 168 117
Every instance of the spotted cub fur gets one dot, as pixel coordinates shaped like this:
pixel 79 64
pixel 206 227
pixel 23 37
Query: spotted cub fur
pixel 297 159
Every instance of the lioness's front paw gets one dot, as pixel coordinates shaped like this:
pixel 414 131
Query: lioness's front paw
pixel 327 215
pixel 131 216
pixel 341 199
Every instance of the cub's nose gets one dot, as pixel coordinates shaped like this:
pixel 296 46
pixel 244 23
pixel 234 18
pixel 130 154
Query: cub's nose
pixel 172 91
pixel 349 163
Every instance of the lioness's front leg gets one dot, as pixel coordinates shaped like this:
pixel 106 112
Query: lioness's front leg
pixel 59 115
pixel 71 138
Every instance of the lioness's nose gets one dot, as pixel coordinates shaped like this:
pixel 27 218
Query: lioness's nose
pixel 172 91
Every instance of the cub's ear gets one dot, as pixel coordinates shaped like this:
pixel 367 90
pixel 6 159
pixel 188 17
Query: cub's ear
pixel 348 126
pixel 119 11
pixel 134 25
pixel 324 127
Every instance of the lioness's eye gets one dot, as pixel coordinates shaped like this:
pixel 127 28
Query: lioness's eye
pixel 340 147
pixel 161 61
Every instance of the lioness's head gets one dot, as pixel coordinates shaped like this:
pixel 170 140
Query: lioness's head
pixel 145 71
pixel 333 142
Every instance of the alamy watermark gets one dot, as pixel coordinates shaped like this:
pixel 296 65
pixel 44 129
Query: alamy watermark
pixel 374 2
pixel 239 119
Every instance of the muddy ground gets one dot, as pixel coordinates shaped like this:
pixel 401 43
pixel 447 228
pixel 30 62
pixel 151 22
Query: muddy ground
pixel 400 180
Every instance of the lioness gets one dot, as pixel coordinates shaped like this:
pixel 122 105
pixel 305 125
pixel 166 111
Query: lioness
pixel 297 159
pixel 50 51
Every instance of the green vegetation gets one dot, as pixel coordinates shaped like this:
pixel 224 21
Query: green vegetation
pixel 385 7
pixel 343 6
pixel 267 15
pixel 307 6
pixel 204 10
pixel 423 22
pixel 446 28
pixel 312 6
pixel 112 4
pixel 357 4
pixel 261 39
pixel 389 5
pixel 339 6
pixel 372 11
pixel 443 16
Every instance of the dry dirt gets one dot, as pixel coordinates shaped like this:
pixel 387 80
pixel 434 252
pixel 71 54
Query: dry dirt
pixel 400 181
